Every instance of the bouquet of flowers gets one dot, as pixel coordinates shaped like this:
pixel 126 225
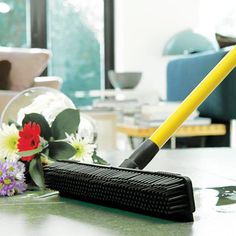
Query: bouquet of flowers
pixel 25 148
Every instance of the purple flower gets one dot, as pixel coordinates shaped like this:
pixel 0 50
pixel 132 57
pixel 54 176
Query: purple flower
pixel 12 178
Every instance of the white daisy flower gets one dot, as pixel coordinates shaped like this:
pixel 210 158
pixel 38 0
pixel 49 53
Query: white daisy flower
pixel 9 136
pixel 84 149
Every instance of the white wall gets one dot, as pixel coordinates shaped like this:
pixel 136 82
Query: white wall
pixel 143 27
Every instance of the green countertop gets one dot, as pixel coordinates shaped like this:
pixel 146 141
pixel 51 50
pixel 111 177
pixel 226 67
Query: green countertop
pixel 213 175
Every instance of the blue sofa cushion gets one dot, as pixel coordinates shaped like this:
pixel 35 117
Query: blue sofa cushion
pixel 185 73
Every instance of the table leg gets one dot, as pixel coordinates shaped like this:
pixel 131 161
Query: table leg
pixel 131 141
pixel 173 142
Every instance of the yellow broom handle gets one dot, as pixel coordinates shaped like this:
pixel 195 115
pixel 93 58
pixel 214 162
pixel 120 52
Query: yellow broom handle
pixel 195 98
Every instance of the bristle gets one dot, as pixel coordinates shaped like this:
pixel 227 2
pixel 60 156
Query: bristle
pixel 154 193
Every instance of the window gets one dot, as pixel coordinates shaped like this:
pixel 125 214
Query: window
pixel 73 30
pixel 76 38
pixel 14 23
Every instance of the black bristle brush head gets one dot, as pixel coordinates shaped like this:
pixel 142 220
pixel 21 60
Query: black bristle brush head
pixel 159 194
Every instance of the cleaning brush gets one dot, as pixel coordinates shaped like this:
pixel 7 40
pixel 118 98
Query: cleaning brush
pixel 127 187
pixel 157 194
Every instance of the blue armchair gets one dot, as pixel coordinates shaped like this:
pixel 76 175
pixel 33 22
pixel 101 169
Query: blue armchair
pixel 185 72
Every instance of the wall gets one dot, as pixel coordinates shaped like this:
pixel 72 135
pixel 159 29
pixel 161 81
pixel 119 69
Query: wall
pixel 142 28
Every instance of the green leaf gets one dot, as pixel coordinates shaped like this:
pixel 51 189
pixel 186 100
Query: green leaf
pixel 60 150
pixel 36 172
pixel 39 119
pixel 66 122
pixel 46 151
pixel 30 152
pixel 10 122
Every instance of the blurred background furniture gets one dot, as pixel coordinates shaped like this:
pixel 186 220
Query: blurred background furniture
pixel 202 131
pixel 109 107
pixel 19 70
pixel 185 72
pixel 105 123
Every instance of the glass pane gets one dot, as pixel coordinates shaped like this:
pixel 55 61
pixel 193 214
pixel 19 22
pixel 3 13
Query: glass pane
pixel 13 23
pixel 75 36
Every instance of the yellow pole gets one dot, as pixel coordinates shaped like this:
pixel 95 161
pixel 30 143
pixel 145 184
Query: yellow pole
pixel 195 98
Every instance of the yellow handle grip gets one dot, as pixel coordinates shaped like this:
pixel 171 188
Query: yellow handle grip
pixel 195 98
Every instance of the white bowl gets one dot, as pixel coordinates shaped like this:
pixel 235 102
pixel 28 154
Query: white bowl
pixel 124 80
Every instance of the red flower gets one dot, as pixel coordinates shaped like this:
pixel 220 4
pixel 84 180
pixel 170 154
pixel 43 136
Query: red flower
pixel 29 139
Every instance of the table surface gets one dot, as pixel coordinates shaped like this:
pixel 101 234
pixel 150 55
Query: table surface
pixel 183 131
pixel 212 171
